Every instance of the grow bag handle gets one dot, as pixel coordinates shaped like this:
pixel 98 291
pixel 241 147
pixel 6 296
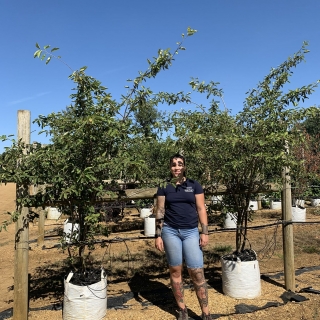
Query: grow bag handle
pixel 70 275
pixel 103 275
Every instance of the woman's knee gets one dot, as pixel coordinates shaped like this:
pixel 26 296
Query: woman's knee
pixel 197 275
pixel 176 271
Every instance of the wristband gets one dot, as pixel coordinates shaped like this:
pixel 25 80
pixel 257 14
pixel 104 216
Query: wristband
pixel 157 236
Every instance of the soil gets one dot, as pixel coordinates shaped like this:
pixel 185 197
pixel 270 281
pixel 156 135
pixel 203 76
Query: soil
pixel 138 283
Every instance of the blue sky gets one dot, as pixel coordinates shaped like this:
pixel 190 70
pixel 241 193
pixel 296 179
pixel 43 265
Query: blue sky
pixel 237 43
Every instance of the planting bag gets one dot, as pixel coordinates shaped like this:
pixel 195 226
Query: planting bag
pixel 299 214
pixel 241 279
pixel 71 231
pixel 145 212
pixel 253 205
pixel 85 302
pixel 275 205
pixel 53 213
pixel 230 221
pixel 150 226
pixel 315 202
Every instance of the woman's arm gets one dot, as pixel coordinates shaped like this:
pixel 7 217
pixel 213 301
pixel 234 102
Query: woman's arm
pixel 203 218
pixel 160 210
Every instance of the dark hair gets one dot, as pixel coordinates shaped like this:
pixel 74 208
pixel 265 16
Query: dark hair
pixel 178 155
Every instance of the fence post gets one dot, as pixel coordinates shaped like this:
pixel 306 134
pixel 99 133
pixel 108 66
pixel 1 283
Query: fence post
pixel 287 230
pixel 41 220
pixel 259 200
pixel 21 261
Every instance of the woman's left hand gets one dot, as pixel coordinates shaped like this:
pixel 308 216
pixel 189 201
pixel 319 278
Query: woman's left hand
pixel 204 239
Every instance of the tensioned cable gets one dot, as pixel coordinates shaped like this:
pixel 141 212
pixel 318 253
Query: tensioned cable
pixel 119 239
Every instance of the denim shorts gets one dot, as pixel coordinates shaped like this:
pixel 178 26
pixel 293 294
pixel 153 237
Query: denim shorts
pixel 182 245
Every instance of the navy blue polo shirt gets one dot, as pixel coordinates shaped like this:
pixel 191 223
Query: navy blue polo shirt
pixel 180 204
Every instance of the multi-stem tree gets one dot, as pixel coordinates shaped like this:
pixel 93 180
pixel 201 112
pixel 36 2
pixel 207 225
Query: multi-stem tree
pixel 90 147
pixel 241 151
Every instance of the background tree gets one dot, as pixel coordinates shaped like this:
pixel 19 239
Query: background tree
pixel 311 125
pixel 146 118
pixel 307 180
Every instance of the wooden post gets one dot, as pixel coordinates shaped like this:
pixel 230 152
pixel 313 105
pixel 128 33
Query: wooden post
pixel 259 200
pixel 287 230
pixel 41 221
pixel 20 304
pixel 41 227
pixel 155 202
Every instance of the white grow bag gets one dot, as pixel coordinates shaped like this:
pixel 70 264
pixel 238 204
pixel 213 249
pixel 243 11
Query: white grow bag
pixel 275 205
pixel 149 226
pixel 299 214
pixel 230 220
pixel 241 279
pixel 53 213
pixel 71 231
pixel 315 202
pixel 85 302
pixel 145 212
pixel 253 205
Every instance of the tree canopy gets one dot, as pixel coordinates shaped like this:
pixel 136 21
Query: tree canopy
pixel 96 140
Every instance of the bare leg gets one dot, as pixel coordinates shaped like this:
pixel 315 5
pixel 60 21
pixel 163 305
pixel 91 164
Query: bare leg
pixel 200 286
pixel 177 285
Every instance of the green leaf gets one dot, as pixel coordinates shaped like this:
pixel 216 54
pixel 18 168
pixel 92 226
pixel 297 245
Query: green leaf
pixel 191 31
pixel 48 60
pixel 37 45
pixel 37 54
pixel 54 49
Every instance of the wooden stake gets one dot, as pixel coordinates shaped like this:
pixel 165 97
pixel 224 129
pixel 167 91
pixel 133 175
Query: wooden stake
pixel 287 230
pixel 259 202
pixel 42 213
pixel 41 222
pixel 20 304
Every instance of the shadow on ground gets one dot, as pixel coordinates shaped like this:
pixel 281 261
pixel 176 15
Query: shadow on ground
pixel 47 283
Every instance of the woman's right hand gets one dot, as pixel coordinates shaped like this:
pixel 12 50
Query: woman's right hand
pixel 159 244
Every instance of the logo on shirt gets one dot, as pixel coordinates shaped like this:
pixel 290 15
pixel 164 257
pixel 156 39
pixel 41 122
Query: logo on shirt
pixel 188 189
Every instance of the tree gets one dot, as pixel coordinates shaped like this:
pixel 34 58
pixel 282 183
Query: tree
pixel 90 148
pixel 241 151
pixel 311 125
pixel 146 117
pixel 307 173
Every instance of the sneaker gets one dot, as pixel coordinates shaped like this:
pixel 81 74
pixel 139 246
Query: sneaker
pixel 206 316
pixel 183 314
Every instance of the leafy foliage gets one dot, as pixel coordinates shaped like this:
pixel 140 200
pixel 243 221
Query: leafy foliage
pixel 92 146
pixel 244 150
pixel 311 125
pixel 97 140
pixel 307 174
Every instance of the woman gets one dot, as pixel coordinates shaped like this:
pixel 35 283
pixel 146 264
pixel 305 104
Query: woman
pixel 180 205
